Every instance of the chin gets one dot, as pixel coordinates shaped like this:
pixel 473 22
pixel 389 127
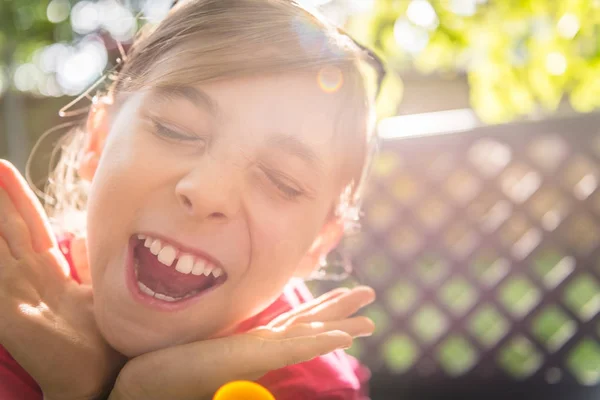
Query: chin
pixel 128 340
pixel 134 341
pixel 129 345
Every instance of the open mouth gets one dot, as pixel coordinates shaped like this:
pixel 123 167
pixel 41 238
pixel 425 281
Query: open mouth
pixel 167 273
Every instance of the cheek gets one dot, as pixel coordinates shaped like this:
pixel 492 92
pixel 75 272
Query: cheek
pixel 131 167
pixel 282 236
pixel 113 185
pixel 121 183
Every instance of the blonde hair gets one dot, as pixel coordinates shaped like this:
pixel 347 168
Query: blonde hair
pixel 221 39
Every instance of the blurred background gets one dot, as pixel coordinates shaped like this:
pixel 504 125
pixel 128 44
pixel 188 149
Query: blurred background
pixel 481 228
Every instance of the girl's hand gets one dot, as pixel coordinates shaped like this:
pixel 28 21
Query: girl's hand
pixel 46 318
pixel 196 370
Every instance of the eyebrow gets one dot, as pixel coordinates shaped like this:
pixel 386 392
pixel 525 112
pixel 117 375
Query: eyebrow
pixel 296 147
pixel 197 97
pixel 287 143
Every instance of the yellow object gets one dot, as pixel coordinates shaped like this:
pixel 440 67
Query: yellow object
pixel 243 390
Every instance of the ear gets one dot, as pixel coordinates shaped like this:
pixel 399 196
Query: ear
pixel 97 127
pixel 329 237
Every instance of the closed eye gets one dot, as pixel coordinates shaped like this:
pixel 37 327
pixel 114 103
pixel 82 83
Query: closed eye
pixel 281 183
pixel 166 132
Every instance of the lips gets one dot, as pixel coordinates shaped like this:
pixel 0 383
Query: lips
pixel 162 271
pixel 166 280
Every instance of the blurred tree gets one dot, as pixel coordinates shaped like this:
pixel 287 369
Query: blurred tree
pixel 520 56
pixel 25 26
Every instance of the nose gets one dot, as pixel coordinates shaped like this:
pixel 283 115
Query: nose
pixel 210 191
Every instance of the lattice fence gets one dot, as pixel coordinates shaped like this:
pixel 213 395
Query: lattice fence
pixel 484 248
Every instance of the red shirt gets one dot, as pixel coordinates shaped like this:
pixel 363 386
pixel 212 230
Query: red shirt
pixel 334 376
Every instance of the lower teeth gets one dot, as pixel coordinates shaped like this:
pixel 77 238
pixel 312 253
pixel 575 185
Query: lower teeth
pixel 145 289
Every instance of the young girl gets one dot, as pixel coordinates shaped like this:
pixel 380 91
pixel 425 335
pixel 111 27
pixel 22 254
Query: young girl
pixel 221 165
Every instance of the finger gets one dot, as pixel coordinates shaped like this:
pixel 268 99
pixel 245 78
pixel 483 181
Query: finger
pixel 5 253
pixel 198 369
pixel 355 327
pixel 306 307
pixel 78 253
pixel 294 350
pixel 13 227
pixel 57 269
pixel 339 307
pixel 28 206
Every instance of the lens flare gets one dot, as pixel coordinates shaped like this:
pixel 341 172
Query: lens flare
pixel 330 79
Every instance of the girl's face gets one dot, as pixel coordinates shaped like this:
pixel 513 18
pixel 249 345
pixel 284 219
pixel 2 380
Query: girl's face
pixel 237 177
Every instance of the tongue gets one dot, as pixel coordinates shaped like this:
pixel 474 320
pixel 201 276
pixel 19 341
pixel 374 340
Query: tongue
pixel 166 280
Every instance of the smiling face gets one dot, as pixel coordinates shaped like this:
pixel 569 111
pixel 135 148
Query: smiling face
pixel 239 175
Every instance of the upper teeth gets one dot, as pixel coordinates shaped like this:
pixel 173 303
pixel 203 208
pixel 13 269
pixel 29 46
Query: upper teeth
pixel 186 263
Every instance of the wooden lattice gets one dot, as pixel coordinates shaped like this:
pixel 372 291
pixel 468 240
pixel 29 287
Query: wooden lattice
pixel 484 248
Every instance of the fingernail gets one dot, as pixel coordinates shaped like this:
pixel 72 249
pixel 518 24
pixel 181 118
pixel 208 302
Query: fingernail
pixel 340 335
pixel 367 289
pixel 366 334
pixel 335 334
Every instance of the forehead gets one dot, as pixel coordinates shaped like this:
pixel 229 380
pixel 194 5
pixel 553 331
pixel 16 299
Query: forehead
pixel 283 109
pixel 274 100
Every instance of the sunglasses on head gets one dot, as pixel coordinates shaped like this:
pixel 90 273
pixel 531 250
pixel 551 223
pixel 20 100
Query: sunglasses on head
pixel 372 59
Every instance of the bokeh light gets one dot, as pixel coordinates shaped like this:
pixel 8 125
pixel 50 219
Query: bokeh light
pixel 58 11
pixel 568 26
pixel 84 64
pixel 26 77
pixel 117 20
pixel 464 8
pixel 84 17
pixel 409 37
pixel 50 87
pixel 360 6
pixel 421 13
pixel 154 11
pixel 556 63
pixel 50 56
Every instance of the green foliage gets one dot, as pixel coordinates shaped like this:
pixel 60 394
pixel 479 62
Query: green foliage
pixel 519 55
pixel 25 28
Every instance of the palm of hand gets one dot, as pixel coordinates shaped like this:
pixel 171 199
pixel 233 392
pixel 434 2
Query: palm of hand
pixel 47 322
pixel 196 370
pixel 79 363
